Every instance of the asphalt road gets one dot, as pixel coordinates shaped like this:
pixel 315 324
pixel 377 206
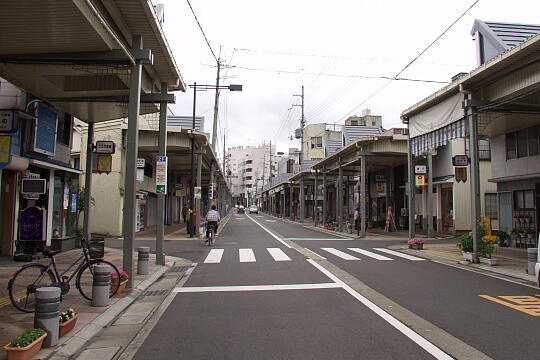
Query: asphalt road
pixel 258 294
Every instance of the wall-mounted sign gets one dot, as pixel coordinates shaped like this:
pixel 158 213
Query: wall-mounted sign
pixel 420 169
pixel 460 174
pixel 105 147
pixel 33 186
pixel 197 192
pixel 380 178
pixel 161 174
pixel 8 121
pixel 45 131
pixel 460 160
pixel 140 175
pixel 5 150
pixel 104 164
pixel 381 188
pixel 420 180
pixel 141 162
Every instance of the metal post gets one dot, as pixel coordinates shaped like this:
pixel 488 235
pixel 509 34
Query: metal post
pixel 283 204
pixel 212 180
pixel 363 212
pixel 198 201
pixel 88 181
pixel 160 230
pixel 192 182
pixel 339 198
pixel 412 191
pixel 291 200
pixel 323 220
pixel 429 197
pixel 301 200
pixel 315 199
pixel 130 187
pixel 475 176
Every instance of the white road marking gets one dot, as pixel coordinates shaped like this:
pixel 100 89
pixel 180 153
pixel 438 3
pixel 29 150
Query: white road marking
pixel 278 254
pixel 214 256
pixel 271 220
pixel 370 254
pixel 405 330
pixel 327 239
pixel 340 254
pixel 397 253
pixel 313 252
pixel 256 288
pixel 268 231
pixel 246 255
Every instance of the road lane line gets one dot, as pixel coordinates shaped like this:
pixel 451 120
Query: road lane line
pixel 316 239
pixel 246 255
pixel 397 253
pixel 313 252
pixel 340 254
pixel 214 256
pixel 256 288
pixel 278 254
pixel 405 330
pixel 370 254
pixel 268 231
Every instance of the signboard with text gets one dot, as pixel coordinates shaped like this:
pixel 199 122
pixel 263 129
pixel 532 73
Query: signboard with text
pixel 105 147
pixel 420 180
pixel 460 160
pixel 7 121
pixel 161 175
pixel 420 169
pixel 141 163
pixel 5 150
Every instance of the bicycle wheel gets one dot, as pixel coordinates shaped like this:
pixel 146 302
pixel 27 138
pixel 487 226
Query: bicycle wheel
pixel 212 237
pixel 22 287
pixel 85 278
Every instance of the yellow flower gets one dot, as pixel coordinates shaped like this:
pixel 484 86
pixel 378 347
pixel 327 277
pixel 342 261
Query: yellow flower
pixel 490 239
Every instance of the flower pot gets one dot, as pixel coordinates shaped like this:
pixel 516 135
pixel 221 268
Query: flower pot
pixel 27 352
pixel 467 256
pixel 487 261
pixel 121 288
pixel 418 246
pixel 67 326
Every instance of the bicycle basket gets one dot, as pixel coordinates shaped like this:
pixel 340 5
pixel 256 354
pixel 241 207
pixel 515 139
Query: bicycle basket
pixel 96 249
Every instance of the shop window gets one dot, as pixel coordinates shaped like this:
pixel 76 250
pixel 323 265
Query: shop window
pixel 491 206
pixel 524 199
pixel 522 148
pixel 511 146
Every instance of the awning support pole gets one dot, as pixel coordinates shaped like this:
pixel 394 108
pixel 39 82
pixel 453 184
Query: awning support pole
pixel 160 233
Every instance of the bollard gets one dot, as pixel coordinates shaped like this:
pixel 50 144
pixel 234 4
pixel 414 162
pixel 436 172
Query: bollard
pixel 47 313
pixel 532 254
pixel 101 285
pixel 143 258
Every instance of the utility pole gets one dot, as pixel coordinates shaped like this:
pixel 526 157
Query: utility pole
pixel 216 103
pixel 271 161
pixel 224 153
pixel 302 124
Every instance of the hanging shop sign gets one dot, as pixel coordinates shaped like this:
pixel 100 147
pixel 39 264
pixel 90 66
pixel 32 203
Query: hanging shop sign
pixel 141 162
pixel 8 121
pixel 381 188
pixel 161 175
pixel 460 160
pixel 420 180
pixel 140 175
pixel 420 169
pixel 105 147
pixel 45 131
pixel 104 164
pixel 5 150
pixel 460 174
pixel 197 192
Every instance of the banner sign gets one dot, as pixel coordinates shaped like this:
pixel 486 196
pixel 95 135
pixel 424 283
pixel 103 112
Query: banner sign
pixel 104 164
pixel 161 174
pixel 460 174
pixel 140 175
pixel 420 180
pixel 197 192
pixel 5 150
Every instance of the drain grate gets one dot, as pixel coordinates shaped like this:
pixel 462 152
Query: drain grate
pixel 179 268
pixel 156 292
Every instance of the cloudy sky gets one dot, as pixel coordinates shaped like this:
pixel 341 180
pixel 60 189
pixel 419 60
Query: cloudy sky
pixel 340 50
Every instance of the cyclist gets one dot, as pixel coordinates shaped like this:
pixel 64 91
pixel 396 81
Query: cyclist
pixel 212 220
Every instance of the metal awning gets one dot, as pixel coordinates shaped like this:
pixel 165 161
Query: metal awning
pixel 76 54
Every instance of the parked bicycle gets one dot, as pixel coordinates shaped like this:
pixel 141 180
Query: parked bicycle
pixel 30 277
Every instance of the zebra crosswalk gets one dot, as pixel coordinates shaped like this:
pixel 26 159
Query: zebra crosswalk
pixel 247 255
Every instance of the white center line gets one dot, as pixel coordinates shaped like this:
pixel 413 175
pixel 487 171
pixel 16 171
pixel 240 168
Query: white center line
pixel 340 254
pixel 397 253
pixel 214 256
pixel 256 288
pixel 370 254
pixel 268 231
pixel 278 254
pixel 246 255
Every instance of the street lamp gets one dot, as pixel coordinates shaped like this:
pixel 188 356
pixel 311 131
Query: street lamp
pixel 196 88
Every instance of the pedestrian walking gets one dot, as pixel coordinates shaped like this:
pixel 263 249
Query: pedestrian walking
pixel 184 213
pixel 357 219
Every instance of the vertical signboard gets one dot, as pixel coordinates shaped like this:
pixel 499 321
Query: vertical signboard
pixel 5 150
pixel 161 175
pixel 45 131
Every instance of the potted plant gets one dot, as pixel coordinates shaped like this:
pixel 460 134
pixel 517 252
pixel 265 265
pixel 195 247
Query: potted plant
pixel 503 238
pixel 486 249
pixel 123 282
pixel 26 345
pixel 466 245
pixel 416 243
pixel 67 321
pixel 514 234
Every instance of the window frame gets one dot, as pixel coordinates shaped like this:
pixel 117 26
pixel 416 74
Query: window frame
pixel 492 205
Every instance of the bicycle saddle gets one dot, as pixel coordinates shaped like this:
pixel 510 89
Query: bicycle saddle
pixel 50 252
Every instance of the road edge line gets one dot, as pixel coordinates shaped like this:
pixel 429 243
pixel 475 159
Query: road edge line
pixel 271 233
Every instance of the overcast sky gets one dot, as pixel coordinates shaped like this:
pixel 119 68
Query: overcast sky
pixel 330 47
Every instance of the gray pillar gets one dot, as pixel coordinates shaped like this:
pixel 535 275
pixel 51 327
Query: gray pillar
pixel 101 285
pixel 412 192
pixel 47 313
pixel 301 200
pixel 88 181
pixel 160 228
pixel 143 259
pixel 315 199
pixel 199 184
pixel 363 212
pixel 291 200
pixel 429 197
pixel 130 186
pixel 324 199
pixel 339 198
pixel 475 176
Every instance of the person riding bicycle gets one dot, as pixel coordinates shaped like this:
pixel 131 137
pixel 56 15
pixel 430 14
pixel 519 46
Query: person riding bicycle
pixel 212 220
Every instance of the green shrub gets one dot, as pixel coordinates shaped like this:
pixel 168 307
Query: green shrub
pixel 26 338
pixel 465 243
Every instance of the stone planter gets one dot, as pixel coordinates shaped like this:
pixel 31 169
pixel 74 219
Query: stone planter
pixel 418 246
pixel 467 256
pixel 487 261
pixel 25 353
pixel 67 326
pixel 121 289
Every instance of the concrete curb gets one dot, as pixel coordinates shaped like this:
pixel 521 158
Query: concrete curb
pixel 79 340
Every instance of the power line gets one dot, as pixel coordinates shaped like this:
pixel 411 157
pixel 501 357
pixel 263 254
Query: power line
pixel 202 31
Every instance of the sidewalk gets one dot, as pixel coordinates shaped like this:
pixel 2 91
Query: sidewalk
pixel 91 320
